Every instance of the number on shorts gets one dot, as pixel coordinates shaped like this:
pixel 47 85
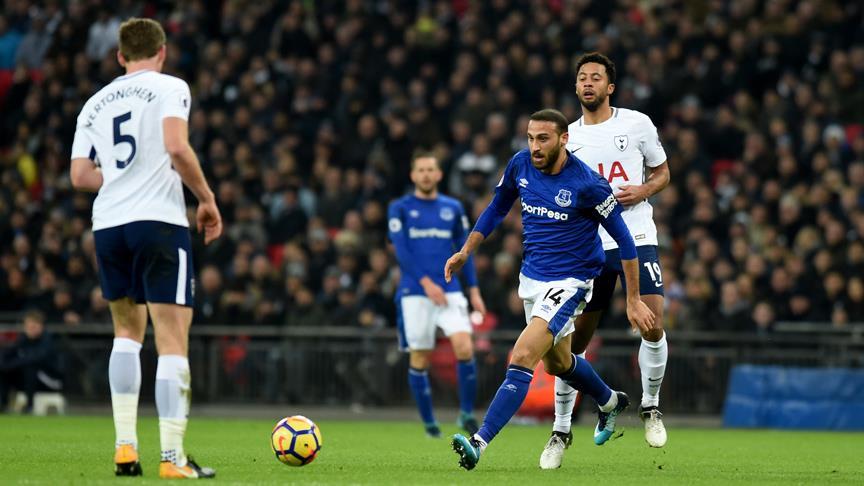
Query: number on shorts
pixel 654 272
pixel 554 296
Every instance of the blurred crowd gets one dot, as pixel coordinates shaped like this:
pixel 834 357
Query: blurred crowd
pixel 306 114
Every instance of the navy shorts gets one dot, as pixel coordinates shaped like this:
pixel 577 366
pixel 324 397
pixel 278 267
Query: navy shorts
pixel 650 277
pixel 148 261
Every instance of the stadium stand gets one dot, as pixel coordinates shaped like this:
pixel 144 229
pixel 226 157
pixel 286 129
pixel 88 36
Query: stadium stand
pixel 306 113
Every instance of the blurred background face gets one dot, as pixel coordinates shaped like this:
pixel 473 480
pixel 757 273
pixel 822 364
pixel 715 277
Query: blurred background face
pixel 592 85
pixel 426 174
pixel 33 327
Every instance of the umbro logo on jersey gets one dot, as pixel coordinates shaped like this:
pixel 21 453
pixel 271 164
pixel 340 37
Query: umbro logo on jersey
pixel 621 142
pixel 523 182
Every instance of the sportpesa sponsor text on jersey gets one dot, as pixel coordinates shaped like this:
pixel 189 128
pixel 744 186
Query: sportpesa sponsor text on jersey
pixel 120 128
pixel 619 149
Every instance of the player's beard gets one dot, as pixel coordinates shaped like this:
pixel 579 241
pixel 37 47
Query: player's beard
pixel 548 159
pixel 426 188
pixel 594 104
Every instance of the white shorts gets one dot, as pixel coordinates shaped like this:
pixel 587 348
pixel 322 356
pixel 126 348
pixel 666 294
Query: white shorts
pixel 558 302
pixel 418 318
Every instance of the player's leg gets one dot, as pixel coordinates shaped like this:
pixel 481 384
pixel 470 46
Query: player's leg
pixel 164 260
pixel 116 262
pixel 580 375
pixel 549 308
pixel 421 389
pixel 457 327
pixel 417 335
pixel 532 344
pixel 124 378
pixel 565 395
pixel 653 350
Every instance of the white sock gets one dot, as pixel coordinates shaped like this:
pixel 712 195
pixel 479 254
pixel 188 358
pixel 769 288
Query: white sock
pixel 565 400
pixel 480 441
pixel 124 378
pixel 611 404
pixel 652 364
pixel 173 395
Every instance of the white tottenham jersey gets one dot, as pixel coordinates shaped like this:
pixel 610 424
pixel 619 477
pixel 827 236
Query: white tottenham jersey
pixel 619 149
pixel 120 129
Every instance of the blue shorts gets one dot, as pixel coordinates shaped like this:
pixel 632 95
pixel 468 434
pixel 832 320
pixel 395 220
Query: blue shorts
pixel 650 277
pixel 148 261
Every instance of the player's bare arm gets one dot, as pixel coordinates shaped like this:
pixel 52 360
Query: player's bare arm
pixel 457 261
pixel 186 163
pixel 433 291
pixel 638 313
pixel 658 179
pixel 476 299
pixel 86 175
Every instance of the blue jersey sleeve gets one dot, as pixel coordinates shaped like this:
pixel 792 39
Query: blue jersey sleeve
pixel 599 199
pixel 395 230
pixel 460 234
pixel 505 193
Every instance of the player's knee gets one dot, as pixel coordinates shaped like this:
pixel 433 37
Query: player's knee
pixel 419 360
pixel 463 349
pixel 524 357
pixel 653 335
pixel 555 366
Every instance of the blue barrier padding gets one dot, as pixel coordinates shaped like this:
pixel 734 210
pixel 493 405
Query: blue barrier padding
pixel 795 398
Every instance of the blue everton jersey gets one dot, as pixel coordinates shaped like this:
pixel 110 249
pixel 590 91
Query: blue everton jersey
pixel 560 216
pixel 425 233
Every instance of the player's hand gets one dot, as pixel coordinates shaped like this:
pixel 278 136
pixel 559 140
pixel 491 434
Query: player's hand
pixel 640 315
pixel 209 221
pixel 454 264
pixel 433 291
pixel 476 300
pixel 630 195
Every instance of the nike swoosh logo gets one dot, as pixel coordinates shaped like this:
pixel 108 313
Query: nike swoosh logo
pixel 658 379
pixel 577 148
pixel 562 394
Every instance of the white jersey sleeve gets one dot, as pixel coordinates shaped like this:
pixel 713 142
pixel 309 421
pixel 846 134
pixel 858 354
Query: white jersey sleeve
pixel 177 101
pixel 82 146
pixel 650 145
pixel 120 128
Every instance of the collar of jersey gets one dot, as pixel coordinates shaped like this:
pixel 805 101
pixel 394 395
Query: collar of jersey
pixel 614 115
pixel 136 73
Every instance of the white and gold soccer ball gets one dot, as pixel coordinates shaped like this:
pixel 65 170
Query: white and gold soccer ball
pixel 296 440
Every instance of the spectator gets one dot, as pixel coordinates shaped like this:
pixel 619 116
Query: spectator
pixel 304 116
pixel 32 364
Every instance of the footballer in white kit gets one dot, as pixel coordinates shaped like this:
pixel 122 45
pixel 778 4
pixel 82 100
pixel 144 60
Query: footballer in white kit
pixel 622 146
pixel 132 147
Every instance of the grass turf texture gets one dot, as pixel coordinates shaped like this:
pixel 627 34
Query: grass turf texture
pixel 78 450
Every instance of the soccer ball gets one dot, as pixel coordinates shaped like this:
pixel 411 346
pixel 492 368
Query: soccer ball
pixel 296 440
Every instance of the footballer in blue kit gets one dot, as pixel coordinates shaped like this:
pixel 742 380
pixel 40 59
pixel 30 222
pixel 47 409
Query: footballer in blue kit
pixel 425 228
pixel 563 202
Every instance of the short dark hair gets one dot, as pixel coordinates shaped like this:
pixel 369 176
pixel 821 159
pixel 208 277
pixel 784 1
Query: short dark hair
pixel 599 59
pixel 140 39
pixel 35 315
pixel 424 154
pixel 552 115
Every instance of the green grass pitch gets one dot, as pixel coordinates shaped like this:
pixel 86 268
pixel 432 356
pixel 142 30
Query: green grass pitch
pixel 78 450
